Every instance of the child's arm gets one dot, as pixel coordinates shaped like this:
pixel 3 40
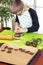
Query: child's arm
pixel 16 25
pixel 35 23
pixel 16 22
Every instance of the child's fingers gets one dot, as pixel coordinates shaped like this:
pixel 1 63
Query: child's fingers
pixel 17 31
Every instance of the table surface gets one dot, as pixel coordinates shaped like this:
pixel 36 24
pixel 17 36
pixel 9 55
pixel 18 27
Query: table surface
pixel 39 60
pixel 30 36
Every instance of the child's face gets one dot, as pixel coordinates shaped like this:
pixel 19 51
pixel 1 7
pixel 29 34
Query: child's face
pixel 17 13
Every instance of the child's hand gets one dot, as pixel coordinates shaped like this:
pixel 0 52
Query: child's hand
pixel 17 30
pixel 20 30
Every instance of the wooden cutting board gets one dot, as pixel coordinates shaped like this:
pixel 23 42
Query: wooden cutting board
pixel 20 55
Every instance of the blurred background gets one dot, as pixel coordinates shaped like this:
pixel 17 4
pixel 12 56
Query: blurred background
pixel 36 5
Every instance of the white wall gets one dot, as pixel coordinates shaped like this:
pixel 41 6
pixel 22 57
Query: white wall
pixel 40 14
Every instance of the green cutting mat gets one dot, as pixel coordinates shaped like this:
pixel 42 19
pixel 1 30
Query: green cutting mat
pixel 22 41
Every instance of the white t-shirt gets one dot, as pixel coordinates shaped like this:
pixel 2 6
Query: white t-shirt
pixel 25 20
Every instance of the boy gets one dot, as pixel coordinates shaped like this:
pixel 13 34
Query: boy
pixel 26 18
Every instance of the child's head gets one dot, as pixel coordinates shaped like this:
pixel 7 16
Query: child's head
pixel 16 6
